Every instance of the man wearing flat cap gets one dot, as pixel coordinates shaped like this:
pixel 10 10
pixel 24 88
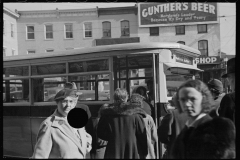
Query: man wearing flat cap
pixel 216 88
pixel 227 105
pixel 56 138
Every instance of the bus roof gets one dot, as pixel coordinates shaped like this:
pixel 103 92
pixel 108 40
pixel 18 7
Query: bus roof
pixel 106 48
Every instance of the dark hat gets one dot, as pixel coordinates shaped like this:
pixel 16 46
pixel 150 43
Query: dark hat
pixel 67 93
pixel 70 85
pixel 215 85
pixel 230 67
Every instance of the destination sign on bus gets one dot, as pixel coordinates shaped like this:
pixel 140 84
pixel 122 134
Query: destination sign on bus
pixel 183 59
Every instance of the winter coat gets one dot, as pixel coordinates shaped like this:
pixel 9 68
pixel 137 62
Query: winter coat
pixel 171 126
pixel 152 137
pixel 124 129
pixel 57 139
pixel 214 139
pixel 180 146
pixel 227 106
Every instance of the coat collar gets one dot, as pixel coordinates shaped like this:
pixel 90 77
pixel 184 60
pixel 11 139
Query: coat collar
pixel 123 109
pixel 61 123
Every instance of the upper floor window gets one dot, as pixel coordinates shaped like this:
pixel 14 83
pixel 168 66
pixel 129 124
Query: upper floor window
pixel 180 30
pixel 49 31
pixel 49 50
pixel 203 47
pixel 31 52
pixel 181 42
pixel 202 28
pixel 68 31
pixel 154 31
pixel 12 29
pixel 4 51
pixel 125 30
pixel 106 29
pixel 30 32
pixel 88 29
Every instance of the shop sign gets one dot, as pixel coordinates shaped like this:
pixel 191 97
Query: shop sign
pixel 183 59
pixel 208 60
pixel 165 14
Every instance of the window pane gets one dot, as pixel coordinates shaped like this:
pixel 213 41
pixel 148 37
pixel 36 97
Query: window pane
pixel 144 72
pixel 86 85
pixel 88 66
pixel 68 27
pixel 137 61
pixel 45 89
pixel 202 28
pixel 30 35
pixel 15 71
pixel 30 28
pixel 88 26
pixel 88 33
pixel 154 31
pixel 31 52
pixel 49 28
pixel 49 35
pixel 69 35
pixel 181 42
pixel 180 29
pixel 49 69
pixel 16 91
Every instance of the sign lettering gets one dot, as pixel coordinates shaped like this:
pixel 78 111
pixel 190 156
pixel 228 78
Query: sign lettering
pixel 183 59
pixel 160 14
pixel 208 60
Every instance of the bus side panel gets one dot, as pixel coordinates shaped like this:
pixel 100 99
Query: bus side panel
pixel 16 131
pixel 38 115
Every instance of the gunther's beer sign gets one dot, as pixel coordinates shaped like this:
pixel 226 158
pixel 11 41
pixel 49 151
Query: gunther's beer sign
pixel 165 14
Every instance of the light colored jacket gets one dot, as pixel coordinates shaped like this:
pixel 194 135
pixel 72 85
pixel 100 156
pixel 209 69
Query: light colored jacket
pixel 151 136
pixel 56 139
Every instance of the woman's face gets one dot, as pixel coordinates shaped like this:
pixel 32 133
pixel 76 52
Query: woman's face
pixel 66 105
pixel 191 101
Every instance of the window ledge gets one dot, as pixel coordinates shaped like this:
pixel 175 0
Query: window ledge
pixel 153 35
pixel 87 38
pixel 30 39
pixel 48 39
pixel 68 38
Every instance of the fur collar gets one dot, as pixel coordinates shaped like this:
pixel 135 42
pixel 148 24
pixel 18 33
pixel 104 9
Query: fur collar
pixel 123 109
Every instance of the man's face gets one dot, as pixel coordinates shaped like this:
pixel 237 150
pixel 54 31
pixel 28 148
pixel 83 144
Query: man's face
pixel 231 80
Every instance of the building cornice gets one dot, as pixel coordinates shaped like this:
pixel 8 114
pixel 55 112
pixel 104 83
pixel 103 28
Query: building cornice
pixel 58 13
pixel 118 10
pixel 10 13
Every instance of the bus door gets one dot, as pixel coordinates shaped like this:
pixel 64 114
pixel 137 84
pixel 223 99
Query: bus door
pixel 170 74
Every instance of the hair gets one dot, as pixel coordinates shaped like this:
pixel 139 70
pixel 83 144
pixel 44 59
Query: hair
pixel 138 90
pixel 207 101
pixel 120 95
pixel 137 100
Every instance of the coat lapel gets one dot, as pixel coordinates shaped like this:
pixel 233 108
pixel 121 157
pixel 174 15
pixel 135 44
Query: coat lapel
pixel 62 125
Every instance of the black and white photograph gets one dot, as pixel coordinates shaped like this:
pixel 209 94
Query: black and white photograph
pixel 119 80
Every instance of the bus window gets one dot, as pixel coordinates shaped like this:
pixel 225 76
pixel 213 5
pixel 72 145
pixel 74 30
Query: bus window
pixel 49 69
pixel 87 86
pixel 15 71
pixel 45 89
pixel 15 91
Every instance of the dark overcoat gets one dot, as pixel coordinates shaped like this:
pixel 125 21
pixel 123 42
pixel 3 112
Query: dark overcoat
pixel 124 129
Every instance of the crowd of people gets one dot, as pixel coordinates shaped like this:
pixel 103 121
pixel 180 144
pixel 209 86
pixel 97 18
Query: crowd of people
pixel 200 124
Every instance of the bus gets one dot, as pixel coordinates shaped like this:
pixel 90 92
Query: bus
pixel 97 72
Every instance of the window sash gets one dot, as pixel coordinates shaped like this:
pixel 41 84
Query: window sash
pixel 106 29
pixel 125 31
pixel 203 47
pixel 181 42
pixel 202 28
pixel 30 32
pixel 180 29
pixel 12 30
pixel 69 30
pixel 49 31
pixel 88 29
pixel 154 31
pixel 32 52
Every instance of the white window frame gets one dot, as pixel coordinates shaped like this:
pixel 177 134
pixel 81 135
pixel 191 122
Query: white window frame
pixel 86 30
pixel 45 30
pixel 47 50
pixel 12 30
pixel 30 32
pixel 65 32
pixel 31 50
